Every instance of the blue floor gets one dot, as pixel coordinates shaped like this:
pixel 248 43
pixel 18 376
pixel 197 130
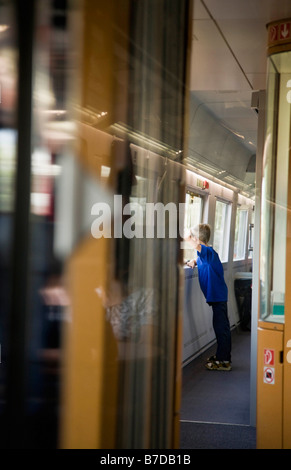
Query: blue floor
pixel 215 409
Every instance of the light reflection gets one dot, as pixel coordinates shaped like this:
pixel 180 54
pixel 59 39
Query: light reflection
pixel 7 168
pixel 3 27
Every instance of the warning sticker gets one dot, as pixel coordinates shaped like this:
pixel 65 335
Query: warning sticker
pixel 269 356
pixel 269 375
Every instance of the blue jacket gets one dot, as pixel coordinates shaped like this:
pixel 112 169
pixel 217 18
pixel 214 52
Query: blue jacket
pixel 211 275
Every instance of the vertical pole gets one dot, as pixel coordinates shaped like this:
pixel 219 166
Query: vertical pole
pixel 16 365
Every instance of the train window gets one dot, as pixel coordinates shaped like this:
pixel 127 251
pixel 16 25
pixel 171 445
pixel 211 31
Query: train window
pixel 240 236
pixel 193 215
pixel 221 229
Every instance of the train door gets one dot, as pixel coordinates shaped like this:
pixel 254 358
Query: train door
pixel 274 326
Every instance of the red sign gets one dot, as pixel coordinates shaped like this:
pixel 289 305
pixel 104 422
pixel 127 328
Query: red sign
pixel 279 32
pixel 269 357
pixel 284 31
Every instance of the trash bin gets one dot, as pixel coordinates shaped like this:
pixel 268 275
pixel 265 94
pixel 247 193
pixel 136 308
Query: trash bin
pixel 243 295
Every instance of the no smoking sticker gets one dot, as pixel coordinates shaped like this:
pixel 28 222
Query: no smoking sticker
pixel 269 375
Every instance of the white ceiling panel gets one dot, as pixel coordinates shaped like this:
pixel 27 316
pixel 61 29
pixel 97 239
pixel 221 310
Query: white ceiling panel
pixel 213 66
pixel 266 10
pixel 199 11
pixel 248 41
pixel 258 80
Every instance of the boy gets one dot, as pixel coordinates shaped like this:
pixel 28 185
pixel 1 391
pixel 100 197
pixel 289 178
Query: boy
pixel 214 288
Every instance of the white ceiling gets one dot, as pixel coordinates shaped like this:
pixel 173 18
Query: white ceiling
pixel 228 58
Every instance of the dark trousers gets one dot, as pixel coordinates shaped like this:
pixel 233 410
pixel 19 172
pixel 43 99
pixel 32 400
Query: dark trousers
pixel 222 330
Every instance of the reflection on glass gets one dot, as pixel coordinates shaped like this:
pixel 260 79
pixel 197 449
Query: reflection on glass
pixel 274 189
pixel 104 126
pixel 103 320
pixel 7 168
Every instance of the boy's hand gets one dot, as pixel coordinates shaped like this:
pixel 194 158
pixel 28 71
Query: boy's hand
pixel 191 263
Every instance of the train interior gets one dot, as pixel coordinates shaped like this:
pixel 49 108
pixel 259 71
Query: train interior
pixel 228 79
pixel 175 118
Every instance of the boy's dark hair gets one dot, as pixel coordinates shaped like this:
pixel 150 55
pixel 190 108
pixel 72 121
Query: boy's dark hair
pixel 202 232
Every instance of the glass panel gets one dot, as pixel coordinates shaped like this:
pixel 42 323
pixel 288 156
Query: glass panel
pixel 154 128
pixel 240 236
pixel 221 230
pixel 274 189
pixel 107 145
pixel 107 141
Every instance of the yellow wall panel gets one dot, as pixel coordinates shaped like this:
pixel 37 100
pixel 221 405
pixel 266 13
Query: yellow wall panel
pixel 269 388
pixel 90 362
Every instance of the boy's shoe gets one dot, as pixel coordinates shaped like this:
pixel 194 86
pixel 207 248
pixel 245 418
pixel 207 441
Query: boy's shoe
pixel 218 365
pixel 211 359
